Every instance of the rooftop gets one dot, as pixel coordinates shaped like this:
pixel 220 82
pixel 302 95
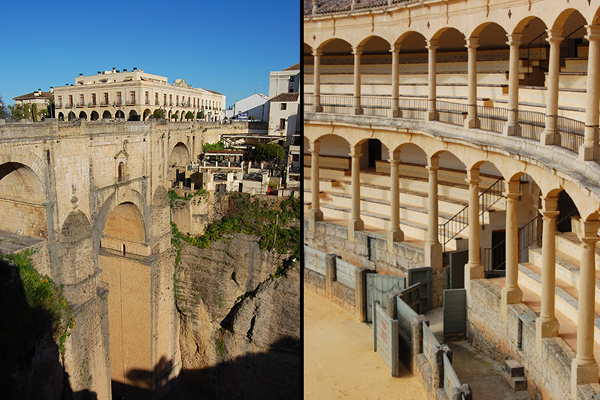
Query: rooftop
pixel 286 97
pixel 332 6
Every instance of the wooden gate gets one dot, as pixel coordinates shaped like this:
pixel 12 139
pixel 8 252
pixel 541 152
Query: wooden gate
pixel 422 276
pixel 455 311
pixel 378 286
pixel 456 273
pixel 412 297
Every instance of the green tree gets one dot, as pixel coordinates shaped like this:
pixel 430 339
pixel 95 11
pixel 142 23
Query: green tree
pixel 199 115
pixel 175 116
pixel 270 152
pixel 202 114
pixel 159 113
pixel 214 146
pixel 189 115
pixel 16 112
pixel 34 112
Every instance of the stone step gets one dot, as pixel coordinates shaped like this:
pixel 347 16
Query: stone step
pixel 517 383
pixel 569 243
pixel 513 368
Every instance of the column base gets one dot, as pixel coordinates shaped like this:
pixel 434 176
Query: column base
pixel 395 113
pixel 316 109
pixel 511 129
pixel 549 138
pixel 509 295
pixel 586 153
pixel 353 226
pixel 544 329
pixel 433 255
pixel 358 110
pixel 433 115
pixel 314 215
pixel 472 123
pixel 397 236
pixel 582 374
pixel 473 271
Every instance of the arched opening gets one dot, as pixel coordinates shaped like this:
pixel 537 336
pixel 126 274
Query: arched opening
pixel 121 172
pixel 120 114
pixel 21 201
pixel 72 116
pixel 83 116
pixel 178 162
pixel 147 113
pixel 121 260
pixel 61 116
pixel 94 116
pixel 133 116
pixel 106 115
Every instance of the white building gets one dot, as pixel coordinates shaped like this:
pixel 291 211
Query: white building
pixel 135 95
pixel 284 97
pixel 254 107
pixel 286 81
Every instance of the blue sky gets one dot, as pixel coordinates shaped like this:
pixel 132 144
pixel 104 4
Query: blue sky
pixel 226 46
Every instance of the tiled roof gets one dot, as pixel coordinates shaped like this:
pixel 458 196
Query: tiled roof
pixel 286 97
pixel 293 67
pixel 332 6
pixel 212 91
pixel 34 95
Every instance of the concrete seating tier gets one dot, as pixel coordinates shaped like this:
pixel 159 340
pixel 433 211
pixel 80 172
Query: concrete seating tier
pixel 566 297
pixel 329 161
pixel 575 65
pixel 583 51
pixel 571 80
pixel 328 173
pixel 458 77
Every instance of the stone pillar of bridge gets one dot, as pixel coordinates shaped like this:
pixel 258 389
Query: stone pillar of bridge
pixel 395 111
pixel 357 51
pixel 511 293
pixel 355 223
pixel 317 107
pixel 395 233
pixel 432 114
pixel 433 247
pixel 589 150
pixel 547 325
pixel 472 121
pixel 315 214
pixel 512 128
pixel 584 368
pixel 550 134
pixel 473 269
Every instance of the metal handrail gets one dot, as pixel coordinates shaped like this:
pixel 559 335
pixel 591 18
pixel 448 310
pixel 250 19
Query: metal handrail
pixel 460 220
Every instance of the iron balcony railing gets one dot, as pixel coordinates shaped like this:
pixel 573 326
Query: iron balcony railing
pixel 452 113
pixel 376 105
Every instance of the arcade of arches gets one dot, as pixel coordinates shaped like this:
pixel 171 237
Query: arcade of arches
pixel 431 130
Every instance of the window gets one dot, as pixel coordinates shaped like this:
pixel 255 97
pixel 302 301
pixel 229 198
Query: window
pixel 282 123
pixel 165 100
pixel 93 99
pixel 155 99
pixel 147 99
pixel 70 100
pixel 292 78
pixel 177 100
pixel 81 100
pixel 132 95
pixel 60 101
pixel 170 99
pixel 105 99
pixel 283 106
pixel 120 172
pixel 118 97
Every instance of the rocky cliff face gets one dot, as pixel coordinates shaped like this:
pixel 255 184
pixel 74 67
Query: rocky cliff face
pixel 240 321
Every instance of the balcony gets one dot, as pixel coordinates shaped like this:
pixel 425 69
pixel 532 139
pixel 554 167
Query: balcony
pixel 80 105
pixel 104 104
pixel 91 105
pixel 130 103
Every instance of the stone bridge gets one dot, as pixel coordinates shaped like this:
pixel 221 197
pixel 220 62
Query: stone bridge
pixel 94 196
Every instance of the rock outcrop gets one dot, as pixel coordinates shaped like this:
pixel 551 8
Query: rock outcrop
pixel 240 321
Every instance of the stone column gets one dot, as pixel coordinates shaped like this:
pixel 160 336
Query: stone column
pixel 511 293
pixel 433 247
pixel 432 114
pixel 315 213
pixel 355 223
pixel 395 233
pixel 395 111
pixel 512 127
pixel 357 51
pixel 317 107
pixel 547 324
pixel 550 135
pixel 473 269
pixel 589 150
pixel 584 368
pixel 472 121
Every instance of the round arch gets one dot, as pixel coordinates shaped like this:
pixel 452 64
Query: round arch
pixel 106 115
pixel 120 114
pixel 94 116
pixel 179 155
pixel 146 114
pixel 72 116
pixel 83 116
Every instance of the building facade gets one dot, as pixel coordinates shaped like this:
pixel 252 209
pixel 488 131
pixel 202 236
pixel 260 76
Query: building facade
pixel 39 98
pixel 284 99
pixel 435 127
pixel 135 95
pixel 254 107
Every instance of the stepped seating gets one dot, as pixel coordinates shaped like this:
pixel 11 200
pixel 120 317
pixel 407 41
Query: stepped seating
pixel 453 193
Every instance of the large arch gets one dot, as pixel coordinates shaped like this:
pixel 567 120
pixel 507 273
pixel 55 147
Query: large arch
pixel 106 115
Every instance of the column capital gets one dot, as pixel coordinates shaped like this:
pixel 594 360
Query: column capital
pixel 394 161
pixel 514 39
pixel 549 215
pixel 432 44
pixel 315 146
pixel 588 230
pixel 395 48
pixel 317 52
pixel 554 36
pixel 355 152
pixel 511 190
pixel 433 163
pixel 357 50
pixel 472 43
pixel 550 204
pixel 593 32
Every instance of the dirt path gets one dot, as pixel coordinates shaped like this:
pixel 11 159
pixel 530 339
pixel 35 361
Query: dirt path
pixel 339 362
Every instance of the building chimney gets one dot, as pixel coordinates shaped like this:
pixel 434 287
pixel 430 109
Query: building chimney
pixel 315 6
pixel 124 69
pixel 135 68
pixel 80 74
pixel 113 69
pixel 51 89
pixel 99 72
pixel 39 91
